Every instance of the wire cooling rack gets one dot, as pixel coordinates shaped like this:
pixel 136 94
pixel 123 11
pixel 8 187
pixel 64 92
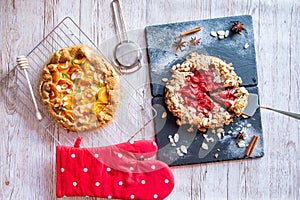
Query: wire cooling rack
pixel 131 118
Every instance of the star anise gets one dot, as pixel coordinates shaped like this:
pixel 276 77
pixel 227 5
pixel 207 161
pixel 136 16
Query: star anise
pixel 194 42
pixel 178 44
pixel 238 27
pixel 241 136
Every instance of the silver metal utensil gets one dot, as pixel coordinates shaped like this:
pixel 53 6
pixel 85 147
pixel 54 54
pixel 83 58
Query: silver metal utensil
pixel 24 65
pixel 253 105
pixel 127 54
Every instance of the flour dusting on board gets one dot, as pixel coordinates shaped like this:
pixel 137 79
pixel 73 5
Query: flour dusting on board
pixel 243 126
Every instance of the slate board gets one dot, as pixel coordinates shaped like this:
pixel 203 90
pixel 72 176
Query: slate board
pixel 161 57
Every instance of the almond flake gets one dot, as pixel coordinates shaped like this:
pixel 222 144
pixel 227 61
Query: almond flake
pixel 204 146
pixel 221 37
pixel 164 79
pixel 213 33
pixel 221 33
pixel 245 116
pixel 176 137
pixel 171 140
pixel 179 153
pixel 183 149
pixel 164 115
pixel 58 88
pixel 226 33
pixel 241 144
pixel 220 130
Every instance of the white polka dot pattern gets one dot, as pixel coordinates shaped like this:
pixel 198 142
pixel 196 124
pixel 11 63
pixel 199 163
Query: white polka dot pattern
pixel 82 174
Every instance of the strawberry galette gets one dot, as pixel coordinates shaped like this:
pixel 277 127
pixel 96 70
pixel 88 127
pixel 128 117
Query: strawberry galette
pixel 204 91
pixel 80 88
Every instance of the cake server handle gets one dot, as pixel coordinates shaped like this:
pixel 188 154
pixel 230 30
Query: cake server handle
pixel 290 114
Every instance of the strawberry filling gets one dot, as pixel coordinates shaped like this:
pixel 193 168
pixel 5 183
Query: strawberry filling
pixel 225 97
pixel 195 90
pixel 197 99
pixel 194 94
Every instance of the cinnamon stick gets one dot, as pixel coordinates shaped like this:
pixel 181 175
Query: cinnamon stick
pixel 194 30
pixel 251 146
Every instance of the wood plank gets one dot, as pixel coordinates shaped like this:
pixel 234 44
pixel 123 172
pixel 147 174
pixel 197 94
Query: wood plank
pixel 27 152
pixel 18 161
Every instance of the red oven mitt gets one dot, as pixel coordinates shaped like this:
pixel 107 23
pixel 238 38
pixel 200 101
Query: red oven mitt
pixel 116 171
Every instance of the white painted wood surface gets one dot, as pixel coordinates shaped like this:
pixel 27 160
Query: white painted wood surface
pixel 27 152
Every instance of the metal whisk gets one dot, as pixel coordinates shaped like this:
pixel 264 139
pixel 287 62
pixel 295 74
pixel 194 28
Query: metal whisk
pixel 24 65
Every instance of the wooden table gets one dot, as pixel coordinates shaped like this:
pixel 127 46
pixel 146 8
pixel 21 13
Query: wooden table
pixel 26 152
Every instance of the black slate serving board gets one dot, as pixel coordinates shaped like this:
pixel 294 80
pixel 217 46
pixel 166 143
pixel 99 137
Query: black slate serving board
pixel 162 57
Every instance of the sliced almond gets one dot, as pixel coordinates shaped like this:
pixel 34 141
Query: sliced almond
pixel 183 149
pixel 226 33
pixel 164 79
pixel 213 33
pixel 241 144
pixel 221 33
pixel 171 140
pixel 58 88
pixel 221 37
pixel 204 146
pixel 176 137
pixel 179 153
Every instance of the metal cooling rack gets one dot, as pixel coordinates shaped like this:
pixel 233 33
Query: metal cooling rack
pixel 131 119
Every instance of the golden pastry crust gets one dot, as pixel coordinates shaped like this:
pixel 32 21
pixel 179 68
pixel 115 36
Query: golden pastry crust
pixel 80 88
pixel 204 91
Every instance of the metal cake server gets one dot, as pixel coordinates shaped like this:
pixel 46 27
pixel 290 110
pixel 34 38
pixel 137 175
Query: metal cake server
pixel 253 105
